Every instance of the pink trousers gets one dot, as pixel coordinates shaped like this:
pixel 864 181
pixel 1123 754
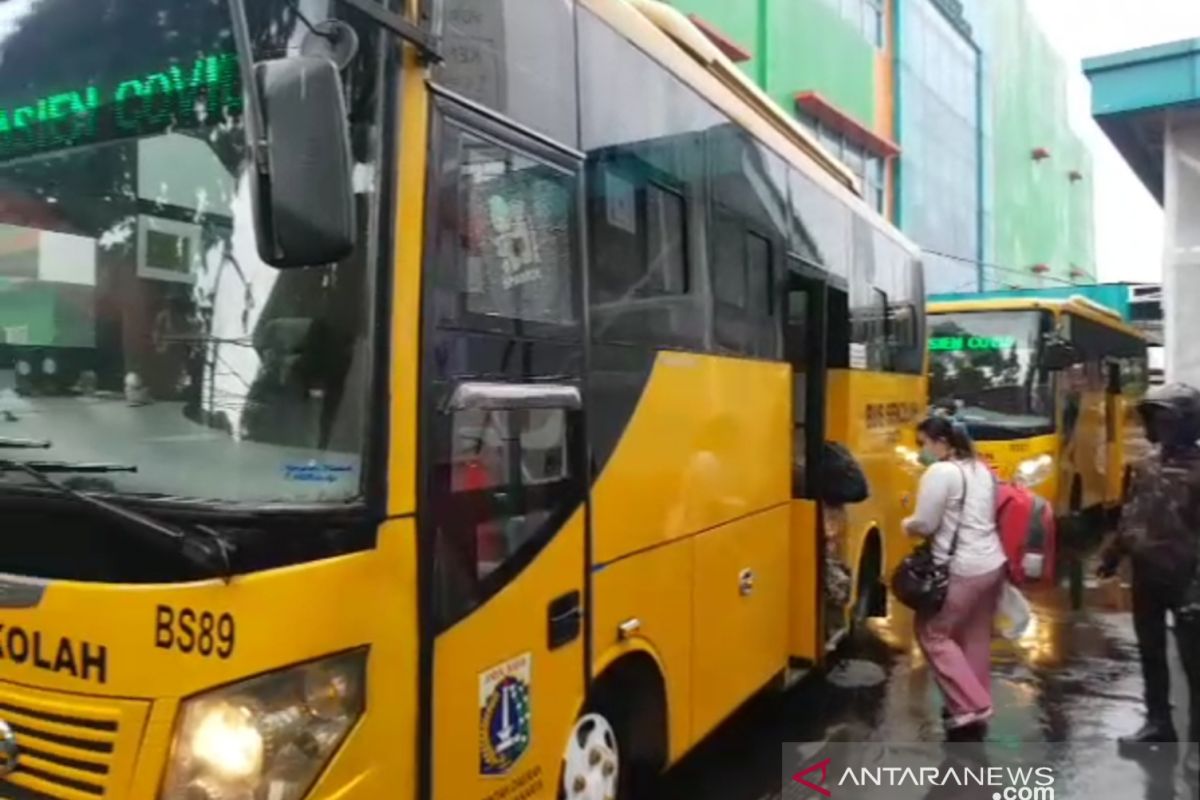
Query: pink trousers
pixel 957 642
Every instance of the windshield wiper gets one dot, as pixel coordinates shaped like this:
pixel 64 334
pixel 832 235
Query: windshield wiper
pixel 64 467
pixel 24 444
pixel 211 554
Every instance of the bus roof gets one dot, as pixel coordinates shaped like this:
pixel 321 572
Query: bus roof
pixel 1116 296
pixel 670 38
pixel 1077 304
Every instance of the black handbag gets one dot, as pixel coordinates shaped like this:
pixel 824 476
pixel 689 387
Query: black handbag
pixel 921 583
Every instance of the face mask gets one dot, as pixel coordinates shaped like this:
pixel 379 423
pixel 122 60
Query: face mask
pixel 927 457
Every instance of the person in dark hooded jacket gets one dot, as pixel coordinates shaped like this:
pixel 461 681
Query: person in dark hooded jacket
pixel 1160 533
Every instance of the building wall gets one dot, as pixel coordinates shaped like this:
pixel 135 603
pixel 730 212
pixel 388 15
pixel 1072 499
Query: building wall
pixel 1041 215
pixel 812 46
pixel 801 44
pixel 1025 212
pixel 1181 256
pixel 840 49
pixel 940 194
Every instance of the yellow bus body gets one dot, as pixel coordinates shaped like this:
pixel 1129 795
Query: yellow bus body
pixel 700 573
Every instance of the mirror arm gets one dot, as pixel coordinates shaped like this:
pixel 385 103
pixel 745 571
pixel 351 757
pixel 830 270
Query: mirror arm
pixel 422 39
pixel 255 120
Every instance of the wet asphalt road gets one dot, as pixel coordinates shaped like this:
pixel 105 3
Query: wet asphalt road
pixel 1073 678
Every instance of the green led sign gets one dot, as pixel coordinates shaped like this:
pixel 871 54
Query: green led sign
pixel 956 344
pixel 182 96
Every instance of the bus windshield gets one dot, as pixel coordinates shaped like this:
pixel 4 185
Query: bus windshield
pixel 138 327
pixel 986 364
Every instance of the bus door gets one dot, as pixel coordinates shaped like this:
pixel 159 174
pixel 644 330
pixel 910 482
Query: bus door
pixel 806 311
pixel 503 501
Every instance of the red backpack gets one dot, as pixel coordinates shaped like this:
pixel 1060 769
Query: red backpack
pixel 1025 522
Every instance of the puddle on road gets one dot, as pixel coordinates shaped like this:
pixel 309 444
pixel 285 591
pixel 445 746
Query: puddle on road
pixel 856 673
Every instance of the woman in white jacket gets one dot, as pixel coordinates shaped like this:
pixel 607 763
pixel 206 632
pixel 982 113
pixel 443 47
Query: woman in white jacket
pixel 956 506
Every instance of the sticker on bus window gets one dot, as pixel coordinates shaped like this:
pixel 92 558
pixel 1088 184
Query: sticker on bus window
pixel 315 472
pixel 505 714
pixel 858 356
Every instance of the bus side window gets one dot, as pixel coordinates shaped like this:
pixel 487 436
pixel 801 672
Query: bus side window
pixel 504 482
pixel 796 334
pixel 906 353
pixel 743 289
pixel 838 348
pixel 747 212
pixel 729 275
pixel 869 331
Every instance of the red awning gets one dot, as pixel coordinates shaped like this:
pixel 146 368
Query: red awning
pixel 732 50
pixel 835 119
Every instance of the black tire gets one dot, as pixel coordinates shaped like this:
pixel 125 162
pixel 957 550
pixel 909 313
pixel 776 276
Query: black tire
pixel 631 698
pixel 870 589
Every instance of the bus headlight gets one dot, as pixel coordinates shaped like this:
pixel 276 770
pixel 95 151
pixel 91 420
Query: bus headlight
pixel 266 737
pixel 1034 471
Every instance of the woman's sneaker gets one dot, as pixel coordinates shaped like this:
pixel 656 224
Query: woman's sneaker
pixel 969 718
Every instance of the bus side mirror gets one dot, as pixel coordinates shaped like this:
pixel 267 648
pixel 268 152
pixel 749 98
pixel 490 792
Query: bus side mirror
pixel 303 189
pixel 1058 355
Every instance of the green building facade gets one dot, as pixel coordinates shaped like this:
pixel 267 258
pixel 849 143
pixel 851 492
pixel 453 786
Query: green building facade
pixel 953 112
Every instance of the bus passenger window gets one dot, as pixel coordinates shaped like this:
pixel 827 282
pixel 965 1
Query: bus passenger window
pixel 638 234
pixel 799 433
pixel 729 268
pixel 666 242
pixel 906 353
pixel 758 266
pixel 869 330
pixel 837 350
pixel 797 325
pixel 796 349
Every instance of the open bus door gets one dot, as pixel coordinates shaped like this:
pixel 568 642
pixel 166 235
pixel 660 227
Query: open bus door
pixel 805 323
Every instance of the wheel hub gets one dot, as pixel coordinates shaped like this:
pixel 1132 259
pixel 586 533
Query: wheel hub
pixel 591 764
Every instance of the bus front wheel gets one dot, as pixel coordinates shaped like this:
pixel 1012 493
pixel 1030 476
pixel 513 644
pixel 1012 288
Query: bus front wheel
pixel 618 745
pixel 592 762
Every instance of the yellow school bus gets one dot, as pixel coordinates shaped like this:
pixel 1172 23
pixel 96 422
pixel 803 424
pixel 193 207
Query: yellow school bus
pixel 1047 388
pixel 449 392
